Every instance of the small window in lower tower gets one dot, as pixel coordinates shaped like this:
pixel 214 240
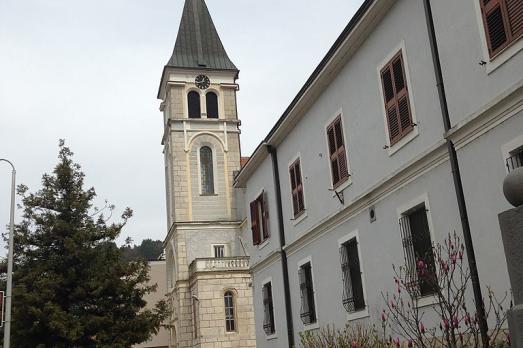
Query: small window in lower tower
pixel 207 173
pixel 230 324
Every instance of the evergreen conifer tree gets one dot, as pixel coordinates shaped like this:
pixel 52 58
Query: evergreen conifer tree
pixel 72 285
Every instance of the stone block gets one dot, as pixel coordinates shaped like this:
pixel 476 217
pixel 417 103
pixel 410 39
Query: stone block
pixel 511 224
pixel 515 323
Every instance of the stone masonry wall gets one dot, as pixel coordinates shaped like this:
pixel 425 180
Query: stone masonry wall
pixel 210 289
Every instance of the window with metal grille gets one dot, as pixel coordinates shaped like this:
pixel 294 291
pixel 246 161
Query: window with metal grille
pixel 268 309
pixel 230 324
pixel 308 309
pixel 193 104
pixel 515 160
pixel 298 204
pixel 337 153
pixel 353 299
pixel 219 251
pixel 207 173
pixel 260 219
pixel 419 257
pixel 396 94
pixel 503 22
pixel 211 100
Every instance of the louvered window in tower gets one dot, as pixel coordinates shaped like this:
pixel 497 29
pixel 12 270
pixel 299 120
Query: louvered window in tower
pixel 308 306
pixel 503 22
pixel 268 309
pixel 260 219
pixel 396 95
pixel 337 154
pixel 193 104
pixel 207 173
pixel 353 299
pixel 298 204
pixel 419 257
pixel 211 101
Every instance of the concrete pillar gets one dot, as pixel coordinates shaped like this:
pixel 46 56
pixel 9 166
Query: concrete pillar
pixel 511 224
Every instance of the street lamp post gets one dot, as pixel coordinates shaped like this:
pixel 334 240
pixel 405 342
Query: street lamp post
pixel 9 290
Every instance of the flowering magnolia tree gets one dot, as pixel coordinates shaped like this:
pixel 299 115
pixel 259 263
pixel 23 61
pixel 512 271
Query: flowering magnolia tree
pixel 444 279
pixel 440 279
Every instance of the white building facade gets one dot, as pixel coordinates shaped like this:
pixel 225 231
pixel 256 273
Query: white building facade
pixel 378 155
pixel 208 277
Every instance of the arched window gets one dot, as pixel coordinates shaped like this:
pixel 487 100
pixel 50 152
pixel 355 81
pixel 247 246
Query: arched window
pixel 230 324
pixel 206 167
pixel 212 105
pixel 193 101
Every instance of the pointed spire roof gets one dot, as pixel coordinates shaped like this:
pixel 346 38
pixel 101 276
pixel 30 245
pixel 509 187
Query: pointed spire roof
pixel 198 44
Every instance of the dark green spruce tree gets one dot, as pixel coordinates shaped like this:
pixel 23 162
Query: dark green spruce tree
pixel 72 285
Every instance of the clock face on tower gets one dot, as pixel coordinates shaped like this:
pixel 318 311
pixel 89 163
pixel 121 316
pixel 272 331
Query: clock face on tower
pixel 202 82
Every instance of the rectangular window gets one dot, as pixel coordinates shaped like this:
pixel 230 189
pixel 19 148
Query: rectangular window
pixel 219 251
pixel 298 204
pixel 396 95
pixel 353 299
pixel 268 309
pixel 515 160
pixel 308 309
pixel 195 316
pixel 503 22
pixel 419 256
pixel 260 219
pixel 337 153
pixel 230 323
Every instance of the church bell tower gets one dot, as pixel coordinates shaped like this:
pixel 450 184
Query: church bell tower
pixel 207 270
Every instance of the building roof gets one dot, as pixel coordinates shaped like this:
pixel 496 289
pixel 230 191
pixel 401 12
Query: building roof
pixel 198 44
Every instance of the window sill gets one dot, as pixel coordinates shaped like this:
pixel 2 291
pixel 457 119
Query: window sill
pixel 426 301
pixel 363 313
pixel 341 187
pixel 504 55
pixel 271 337
pixel 404 141
pixel 313 326
pixel 263 244
pixel 299 218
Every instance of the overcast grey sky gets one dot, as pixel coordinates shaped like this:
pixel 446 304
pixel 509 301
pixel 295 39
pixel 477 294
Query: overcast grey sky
pixel 88 71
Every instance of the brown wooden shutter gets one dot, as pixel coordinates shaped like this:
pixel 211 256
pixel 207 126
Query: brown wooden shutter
pixel 292 174
pixel 265 212
pixel 298 203
pixel 255 223
pixel 396 95
pixel 338 157
pixel 299 186
pixel 496 25
pixel 515 17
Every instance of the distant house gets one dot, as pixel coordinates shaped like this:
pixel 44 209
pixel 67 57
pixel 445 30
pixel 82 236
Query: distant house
pixel 157 274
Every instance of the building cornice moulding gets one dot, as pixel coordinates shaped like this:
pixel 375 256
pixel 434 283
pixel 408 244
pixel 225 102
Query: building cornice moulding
pixel 499 110
pixel 268 261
